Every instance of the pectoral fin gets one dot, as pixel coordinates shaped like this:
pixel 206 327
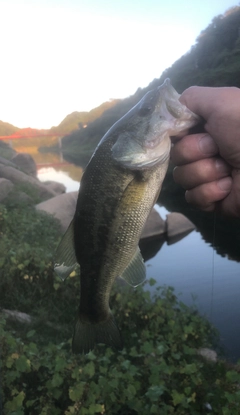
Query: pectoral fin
pixel 65 260
pixel 135 273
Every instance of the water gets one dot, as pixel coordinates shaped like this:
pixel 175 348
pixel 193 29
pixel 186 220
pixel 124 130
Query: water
pixel 205 280
pixel 50 173
pixel 198 274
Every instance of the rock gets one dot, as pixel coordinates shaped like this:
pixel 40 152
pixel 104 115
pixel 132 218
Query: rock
pixel 6 150
pixel 150 247
pixel 5 188
pixel 178 226
pixel 26 163
pixel 208 354
pixel 154 227
pixel 7 162
pixel 61 207
pixel 19 177
pixel 22 198
pixel 17 316
pixel 57 187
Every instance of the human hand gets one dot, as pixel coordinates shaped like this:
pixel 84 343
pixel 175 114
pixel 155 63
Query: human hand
pixel 208 163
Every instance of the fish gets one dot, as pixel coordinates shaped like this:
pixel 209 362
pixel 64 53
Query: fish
pixel 118 189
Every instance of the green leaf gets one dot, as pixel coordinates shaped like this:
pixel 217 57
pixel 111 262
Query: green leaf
pixel 16 403
pixel 151 282
pixel 9 362
pixel 23 364
pixel 31 333
pixel 233 376
pixel 91 355
pixel 89 369
pixel 57 380
pixel 147 348
pixel 154 393
pixel 131 390
pixel 189 369
pixel 95 408
pixel 75 393
pixel 177 397
pixel 60 364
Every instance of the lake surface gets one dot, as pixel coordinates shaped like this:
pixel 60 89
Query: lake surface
pixel 198 274
pixel 50 173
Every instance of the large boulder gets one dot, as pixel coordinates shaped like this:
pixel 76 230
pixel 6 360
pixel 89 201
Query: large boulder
pixel 154 227
pixel 18 316
pixel 26 163
pixel 57 187
pixel 178 226
pixel 5 188
pixel 7 162
pixel 208 354
pixel 19 177
pixel 61 207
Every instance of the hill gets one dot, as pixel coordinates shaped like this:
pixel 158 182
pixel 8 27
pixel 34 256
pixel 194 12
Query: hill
pixel 70 123
pixel 213 61
pixel 77 119
pixel 7 129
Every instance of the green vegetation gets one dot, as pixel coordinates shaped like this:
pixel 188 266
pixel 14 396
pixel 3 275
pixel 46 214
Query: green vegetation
pixel 77 119
pixel 158 371
pixel 215 58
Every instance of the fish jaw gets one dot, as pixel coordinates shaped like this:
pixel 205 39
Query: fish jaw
pixel 146 139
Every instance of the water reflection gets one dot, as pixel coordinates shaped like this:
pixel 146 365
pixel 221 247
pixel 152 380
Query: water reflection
pixel 50 173
pixel 204 279
pixel 50 165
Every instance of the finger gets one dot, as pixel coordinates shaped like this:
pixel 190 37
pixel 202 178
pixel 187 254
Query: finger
pixel 231 204
pixel 206 195
pixel 198 99
pixel 192 148
pixel 200 172
pixel 207 101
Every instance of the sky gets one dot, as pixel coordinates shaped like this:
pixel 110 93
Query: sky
pixel 60 56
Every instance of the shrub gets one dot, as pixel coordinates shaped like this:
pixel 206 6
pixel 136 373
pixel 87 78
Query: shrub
pixel 158 371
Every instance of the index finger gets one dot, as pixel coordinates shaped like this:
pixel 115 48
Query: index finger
pixel 199 100
pixel 205 101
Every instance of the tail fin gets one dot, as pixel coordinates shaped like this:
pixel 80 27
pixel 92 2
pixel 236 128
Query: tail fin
pixel 87 335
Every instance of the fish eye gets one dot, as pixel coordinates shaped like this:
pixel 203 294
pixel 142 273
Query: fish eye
pixel 145 110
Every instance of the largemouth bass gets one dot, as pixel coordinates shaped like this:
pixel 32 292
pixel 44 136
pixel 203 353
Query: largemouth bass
pixel 119 187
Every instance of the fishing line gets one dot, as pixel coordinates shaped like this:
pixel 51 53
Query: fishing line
pixel 213 264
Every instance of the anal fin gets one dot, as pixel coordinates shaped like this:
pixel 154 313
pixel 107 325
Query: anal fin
pixel 135 273
pixel 65 259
